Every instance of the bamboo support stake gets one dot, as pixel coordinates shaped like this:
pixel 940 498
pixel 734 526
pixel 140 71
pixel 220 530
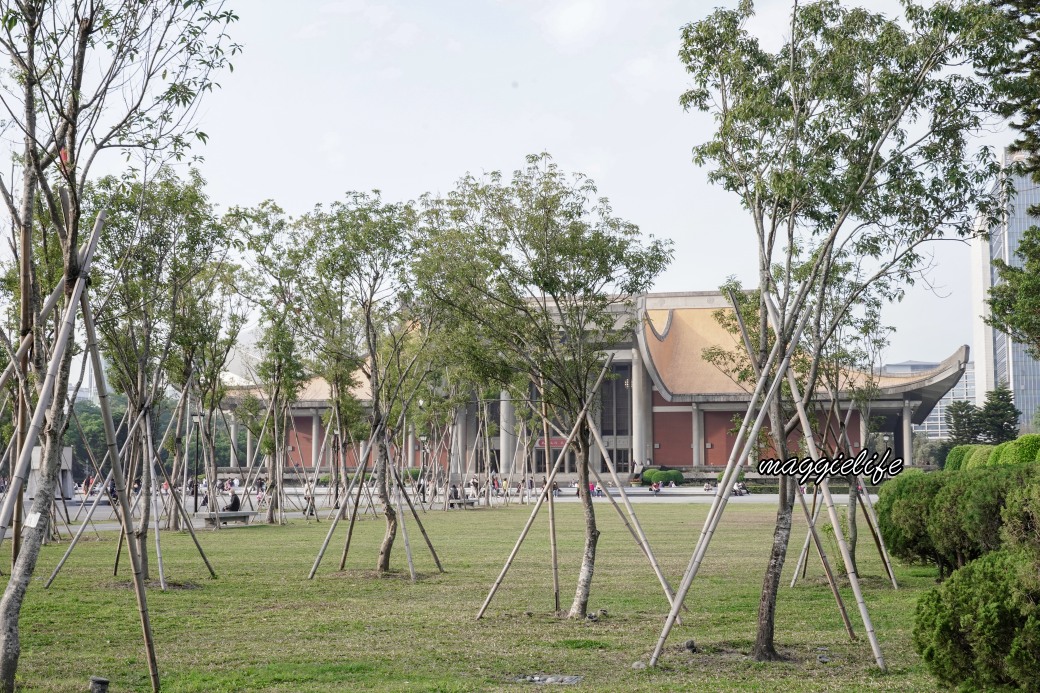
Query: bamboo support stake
pixel 636 529
pixel 20 471
pixel 552 505
pixel 872 522
pixel 155 492
pixel 421 528
pixel 343 508
pixel 404 528
pixel 832 512
pixel 801 568
pixel 545 491
pixel 102 491
pixel 357 508
pixel 124 504
pixel 831 580
pixel 725 488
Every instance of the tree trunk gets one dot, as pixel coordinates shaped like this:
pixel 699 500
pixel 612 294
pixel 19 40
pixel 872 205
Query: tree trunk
pixel 765 649
pixel 579 608
pixel 21 574
pixel 388 510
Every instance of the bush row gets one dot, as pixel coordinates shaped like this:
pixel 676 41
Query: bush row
pixel 980 629
pixel 951 517
pixel 1023 450
pixel 662 476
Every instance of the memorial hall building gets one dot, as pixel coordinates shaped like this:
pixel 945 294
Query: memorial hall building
pixel 666 405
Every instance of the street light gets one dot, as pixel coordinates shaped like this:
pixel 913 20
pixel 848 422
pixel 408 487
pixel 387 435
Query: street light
pixel 197 420
pixel 422 465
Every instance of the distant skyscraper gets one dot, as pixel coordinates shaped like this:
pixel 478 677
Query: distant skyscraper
pixel 998 357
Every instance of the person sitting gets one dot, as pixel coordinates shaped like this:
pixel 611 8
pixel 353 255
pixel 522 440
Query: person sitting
pixel 655 488
pixel 234 504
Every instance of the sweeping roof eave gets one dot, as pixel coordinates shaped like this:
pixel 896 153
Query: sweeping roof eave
pixel 671 342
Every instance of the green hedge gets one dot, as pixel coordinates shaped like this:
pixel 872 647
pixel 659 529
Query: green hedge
pixel 980 629
pixel 649 476
pixel 667 477
pixel 903 508
pixel 999 455
pixel 1023 450
pixel 1021 516
pixel 956 457
pixel 964 520
pixel 979 457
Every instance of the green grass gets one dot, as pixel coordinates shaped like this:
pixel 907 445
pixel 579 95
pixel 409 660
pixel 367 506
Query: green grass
pixel 262 626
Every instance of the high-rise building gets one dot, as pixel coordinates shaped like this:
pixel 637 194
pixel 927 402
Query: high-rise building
pixel 998 357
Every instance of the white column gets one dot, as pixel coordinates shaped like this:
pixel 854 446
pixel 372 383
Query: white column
pixel 698 435
pixel 506 434
pixel 642 400
pixel 315 439
pixel 411 447
pixel 460 444
pixel 908 435
pixel 234 442
pixel 249 447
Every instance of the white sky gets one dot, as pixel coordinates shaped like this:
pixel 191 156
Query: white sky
pixel 406 97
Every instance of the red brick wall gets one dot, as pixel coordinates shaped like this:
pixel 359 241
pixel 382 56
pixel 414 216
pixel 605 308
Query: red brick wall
pixel 300 440
pixel 673 432
pixel 716 431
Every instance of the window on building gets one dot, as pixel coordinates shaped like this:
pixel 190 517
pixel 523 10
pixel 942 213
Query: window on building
pixel 621 462
pixel 616 393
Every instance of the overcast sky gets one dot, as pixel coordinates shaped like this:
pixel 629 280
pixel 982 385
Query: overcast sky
pixel 405 97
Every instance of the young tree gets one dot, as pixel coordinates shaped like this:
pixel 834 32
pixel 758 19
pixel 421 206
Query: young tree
pixel 161 234
pixel 541 273
pixel 962 417
pixel 998 418
pixel 850 143
pixel 277 255
pixel 85 77
pixel 364 245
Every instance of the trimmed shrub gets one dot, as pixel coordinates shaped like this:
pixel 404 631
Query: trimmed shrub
pixel 649 476
pixel 903 507
pixel 668 476
pixel 1021 516
pixel 955 458
pixel 999 455
pixel 979 457
pixel 965 518
pixel 980 629
pixel 1022 450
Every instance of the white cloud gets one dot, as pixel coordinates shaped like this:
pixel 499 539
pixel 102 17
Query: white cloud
pixel 573 24
pixel 648 76
pixel 333 150
pixel 373 13
pixel 404 35
pixel 310 32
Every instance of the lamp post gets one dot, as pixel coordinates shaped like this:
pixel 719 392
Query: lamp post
pixel 197 420
pixel 422 466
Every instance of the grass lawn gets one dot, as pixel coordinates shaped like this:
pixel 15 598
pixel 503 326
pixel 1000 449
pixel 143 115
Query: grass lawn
pixel 262 626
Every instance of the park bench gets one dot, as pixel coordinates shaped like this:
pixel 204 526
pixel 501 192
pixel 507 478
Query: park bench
pixel 458 502
pixel 243 516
